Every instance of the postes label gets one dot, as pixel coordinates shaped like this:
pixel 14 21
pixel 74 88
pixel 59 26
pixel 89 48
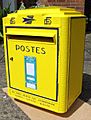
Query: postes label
pixel 33 49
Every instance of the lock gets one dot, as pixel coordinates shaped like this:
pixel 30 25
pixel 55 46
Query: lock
pixel 11 58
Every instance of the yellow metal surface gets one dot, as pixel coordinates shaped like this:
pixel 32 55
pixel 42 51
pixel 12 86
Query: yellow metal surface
pixel 46 74
pixel 44 53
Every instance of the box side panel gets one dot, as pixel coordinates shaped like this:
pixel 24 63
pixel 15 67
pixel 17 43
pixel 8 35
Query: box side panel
pixel 63 64
pixel 77 33
pixel 5 50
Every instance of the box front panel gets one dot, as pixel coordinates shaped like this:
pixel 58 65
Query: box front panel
pixel 33 66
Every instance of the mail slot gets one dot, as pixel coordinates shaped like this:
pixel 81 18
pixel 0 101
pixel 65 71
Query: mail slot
pixel 44 54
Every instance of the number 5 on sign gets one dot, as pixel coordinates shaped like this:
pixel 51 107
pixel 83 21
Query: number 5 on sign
pixel 47 21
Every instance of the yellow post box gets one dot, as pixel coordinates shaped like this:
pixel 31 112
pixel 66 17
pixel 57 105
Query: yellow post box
pixel 44 52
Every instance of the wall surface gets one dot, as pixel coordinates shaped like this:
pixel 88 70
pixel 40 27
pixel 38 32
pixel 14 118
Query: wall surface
pixel 77 4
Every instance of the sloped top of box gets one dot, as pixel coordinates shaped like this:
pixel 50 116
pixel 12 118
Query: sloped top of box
pixel 48 10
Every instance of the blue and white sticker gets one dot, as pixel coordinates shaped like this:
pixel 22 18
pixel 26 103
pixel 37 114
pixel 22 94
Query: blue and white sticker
pixel 30 72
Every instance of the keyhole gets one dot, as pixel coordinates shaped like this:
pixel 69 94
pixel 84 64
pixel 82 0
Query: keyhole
pixel 11 58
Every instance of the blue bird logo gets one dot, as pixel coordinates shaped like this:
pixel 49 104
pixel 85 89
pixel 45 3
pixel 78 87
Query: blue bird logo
pixel 29 19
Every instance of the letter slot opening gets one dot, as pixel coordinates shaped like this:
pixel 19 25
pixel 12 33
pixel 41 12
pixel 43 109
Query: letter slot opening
pixel 32 38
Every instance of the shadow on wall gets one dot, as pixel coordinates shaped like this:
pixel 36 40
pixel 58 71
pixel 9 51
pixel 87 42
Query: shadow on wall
pixel 88 14
pixel 86 90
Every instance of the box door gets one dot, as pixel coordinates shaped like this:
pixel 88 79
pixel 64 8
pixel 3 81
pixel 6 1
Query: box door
pixel 33 65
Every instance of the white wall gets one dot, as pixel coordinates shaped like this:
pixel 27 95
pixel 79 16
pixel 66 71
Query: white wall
pixel 13 6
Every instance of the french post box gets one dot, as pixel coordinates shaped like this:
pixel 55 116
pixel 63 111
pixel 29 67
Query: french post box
pixel 44 53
